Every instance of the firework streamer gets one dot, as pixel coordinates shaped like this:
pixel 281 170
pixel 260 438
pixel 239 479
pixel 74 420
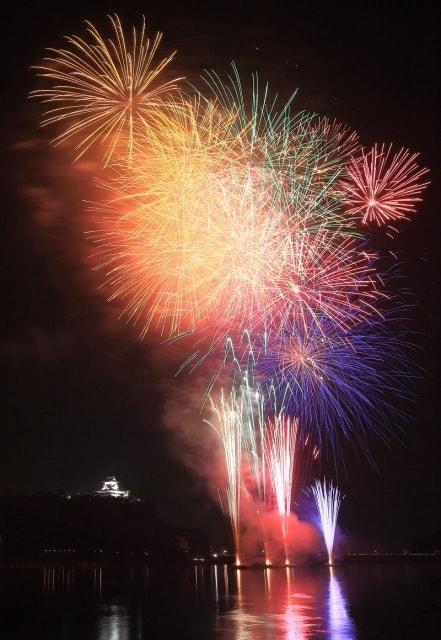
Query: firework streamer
pixel 328 499
pixel 227 424
pixel 281 435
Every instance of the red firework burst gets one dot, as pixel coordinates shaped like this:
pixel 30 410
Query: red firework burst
pixel 382 186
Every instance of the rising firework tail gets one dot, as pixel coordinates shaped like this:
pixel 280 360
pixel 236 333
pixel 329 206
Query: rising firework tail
pixel 280 444
pixel 259 448
pixel 227 422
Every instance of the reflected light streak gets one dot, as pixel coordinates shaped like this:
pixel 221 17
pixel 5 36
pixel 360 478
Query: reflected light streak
pixel 279 612
pixel 114 626
pixel 227 584
pixel 340 624
pixel 216 582
pixel 196 576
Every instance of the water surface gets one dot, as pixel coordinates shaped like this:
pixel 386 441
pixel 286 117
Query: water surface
pixel 220 603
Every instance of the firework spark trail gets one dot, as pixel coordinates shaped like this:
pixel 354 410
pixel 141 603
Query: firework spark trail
pixel 259 448
pixel 227 416
pixel 104 88
pixel 328 276
pixel 328 500
pixel 267 127
pixel 273 134
pixel 238 419
pixel 253 430
pixel 280 444
pixel 382 187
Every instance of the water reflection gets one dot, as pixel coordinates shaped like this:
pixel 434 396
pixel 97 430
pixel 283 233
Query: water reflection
pixel 216 581
pixel 58 580
pixel 98 581
pixel 341 626
pixel 116 602
pixel 262 604
pixel 275 603
pixel 114 624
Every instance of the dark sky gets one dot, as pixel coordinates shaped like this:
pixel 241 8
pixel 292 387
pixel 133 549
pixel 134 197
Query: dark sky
pixel 82 398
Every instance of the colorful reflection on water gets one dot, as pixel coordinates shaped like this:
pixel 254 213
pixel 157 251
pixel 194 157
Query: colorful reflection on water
pixel 340 624
pixel 217 602
pixel 288 604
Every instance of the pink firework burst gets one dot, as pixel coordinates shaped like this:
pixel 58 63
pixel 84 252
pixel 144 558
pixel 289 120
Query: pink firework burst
pixel 382 186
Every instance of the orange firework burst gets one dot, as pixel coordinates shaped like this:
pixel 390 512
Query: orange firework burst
pixel 190 235
pixel 103 88
pixel 194 237
pixel 383 187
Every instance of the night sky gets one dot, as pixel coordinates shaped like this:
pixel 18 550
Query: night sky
pixel 82 397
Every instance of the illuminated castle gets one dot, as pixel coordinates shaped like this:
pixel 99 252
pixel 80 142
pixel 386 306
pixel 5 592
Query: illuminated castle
pixel 110 489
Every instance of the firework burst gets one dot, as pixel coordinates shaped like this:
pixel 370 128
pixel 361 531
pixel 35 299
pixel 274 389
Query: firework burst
pixel 193 237
pixel 103 88
pixel 383 187
pixel 340 384
pixel 189 243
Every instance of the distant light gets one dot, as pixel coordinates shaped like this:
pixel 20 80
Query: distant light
pixel 111 489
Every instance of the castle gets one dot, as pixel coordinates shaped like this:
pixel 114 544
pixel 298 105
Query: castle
pixel 110 489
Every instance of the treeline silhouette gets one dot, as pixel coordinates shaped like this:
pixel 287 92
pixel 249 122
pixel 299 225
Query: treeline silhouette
pixel 48 526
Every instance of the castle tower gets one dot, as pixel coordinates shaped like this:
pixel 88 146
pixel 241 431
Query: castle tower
pixel 110 489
